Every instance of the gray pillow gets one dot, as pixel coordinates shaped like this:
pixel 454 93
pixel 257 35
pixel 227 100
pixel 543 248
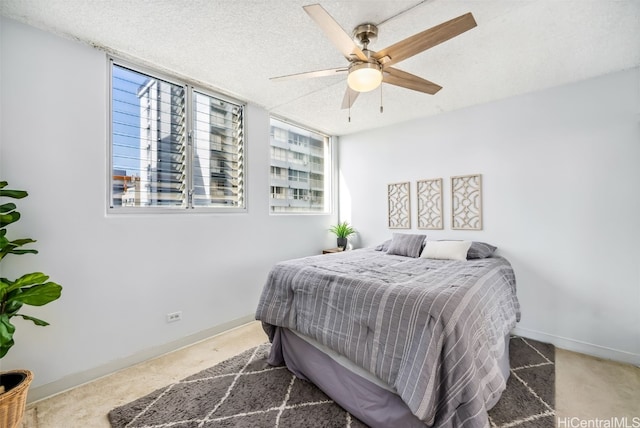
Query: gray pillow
pixel 405 244
pixel 384 246
pixel 480 250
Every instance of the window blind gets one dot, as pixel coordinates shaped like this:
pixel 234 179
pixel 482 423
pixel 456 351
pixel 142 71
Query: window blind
pixel 218 152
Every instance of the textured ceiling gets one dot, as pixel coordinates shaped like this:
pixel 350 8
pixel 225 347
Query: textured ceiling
pixel 236 46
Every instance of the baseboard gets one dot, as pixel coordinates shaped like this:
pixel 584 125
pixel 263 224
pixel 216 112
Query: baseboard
pixel 580 346
pixel 77 379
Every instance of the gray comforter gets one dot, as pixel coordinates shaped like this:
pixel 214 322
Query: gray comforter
pixel 433 330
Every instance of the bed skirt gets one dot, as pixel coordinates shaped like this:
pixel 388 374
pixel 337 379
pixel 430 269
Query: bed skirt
pixel 369 400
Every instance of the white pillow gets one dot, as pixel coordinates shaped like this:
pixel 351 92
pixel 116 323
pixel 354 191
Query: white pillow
pixel 446 250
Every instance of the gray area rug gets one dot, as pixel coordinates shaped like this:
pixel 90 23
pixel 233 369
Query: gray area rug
pixel 529 400
pixel 245 391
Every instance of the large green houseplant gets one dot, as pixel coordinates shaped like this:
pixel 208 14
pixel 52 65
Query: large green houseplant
pixel 33 289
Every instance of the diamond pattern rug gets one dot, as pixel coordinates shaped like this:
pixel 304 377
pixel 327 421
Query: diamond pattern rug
pixel 529 400
pixel 245 391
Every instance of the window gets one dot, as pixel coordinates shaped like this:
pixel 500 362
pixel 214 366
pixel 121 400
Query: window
pixel 300 177
pixel 278 173
pixel 295 175
pixel 173 146
pixel 278 192
pixel 278 153
pixel 300 194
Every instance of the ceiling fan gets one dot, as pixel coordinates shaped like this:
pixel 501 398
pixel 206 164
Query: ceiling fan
pixel 368 69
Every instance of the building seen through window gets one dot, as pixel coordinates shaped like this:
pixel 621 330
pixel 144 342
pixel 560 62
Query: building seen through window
pixel 173 146
pixel 300 177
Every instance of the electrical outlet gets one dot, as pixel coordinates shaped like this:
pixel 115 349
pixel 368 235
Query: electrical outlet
pixel 174 316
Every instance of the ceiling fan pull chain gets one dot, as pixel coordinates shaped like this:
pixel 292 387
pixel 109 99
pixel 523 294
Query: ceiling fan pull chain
pixel 381 108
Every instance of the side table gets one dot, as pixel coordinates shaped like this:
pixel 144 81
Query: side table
pixel 333 250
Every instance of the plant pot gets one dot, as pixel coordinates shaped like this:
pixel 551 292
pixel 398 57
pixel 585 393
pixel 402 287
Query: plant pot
pixel 14 399
pixel 342 243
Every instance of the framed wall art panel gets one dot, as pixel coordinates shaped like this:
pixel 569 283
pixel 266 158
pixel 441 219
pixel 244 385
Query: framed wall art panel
pixel 466 202
pixel 430 204
pixel 399 206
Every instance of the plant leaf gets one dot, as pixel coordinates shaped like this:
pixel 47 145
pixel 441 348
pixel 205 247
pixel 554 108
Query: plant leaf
pixel 12 307
pixel 6 334
pixel 4 347
pixel 15 194
pixel 6 328
pixel 342 230
pixel 29 279
pixel 12 251
pixel 36 321
pixel 4 284
pixel 6 219
pixel 23 241
pixel 39 294
pixel 5 208
pixel 10 248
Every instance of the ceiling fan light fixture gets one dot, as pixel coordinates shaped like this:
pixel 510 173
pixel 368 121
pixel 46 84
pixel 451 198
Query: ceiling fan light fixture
pixel 364 77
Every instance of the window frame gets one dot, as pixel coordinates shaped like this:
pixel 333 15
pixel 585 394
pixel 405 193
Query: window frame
pixel 330 171
pixel 190 87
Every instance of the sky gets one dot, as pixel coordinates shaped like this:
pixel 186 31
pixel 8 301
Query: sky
pixel 126 119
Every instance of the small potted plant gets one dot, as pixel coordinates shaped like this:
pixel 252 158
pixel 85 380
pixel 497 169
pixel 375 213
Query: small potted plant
pixel 30 289
pixel 342 230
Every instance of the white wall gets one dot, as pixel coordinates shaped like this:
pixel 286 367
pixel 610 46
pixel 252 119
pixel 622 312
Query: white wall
pixel 121 274
pixel 561 188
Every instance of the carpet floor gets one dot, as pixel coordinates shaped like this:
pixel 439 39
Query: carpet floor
pixel 245 391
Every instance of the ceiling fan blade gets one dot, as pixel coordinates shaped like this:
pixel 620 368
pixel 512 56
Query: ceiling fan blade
pixel 311 74
pixel 425 39
pixel 403 79
pixel 334 32
pixel 349 98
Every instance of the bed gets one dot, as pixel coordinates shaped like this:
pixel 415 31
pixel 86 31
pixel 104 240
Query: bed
pixel 395 338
